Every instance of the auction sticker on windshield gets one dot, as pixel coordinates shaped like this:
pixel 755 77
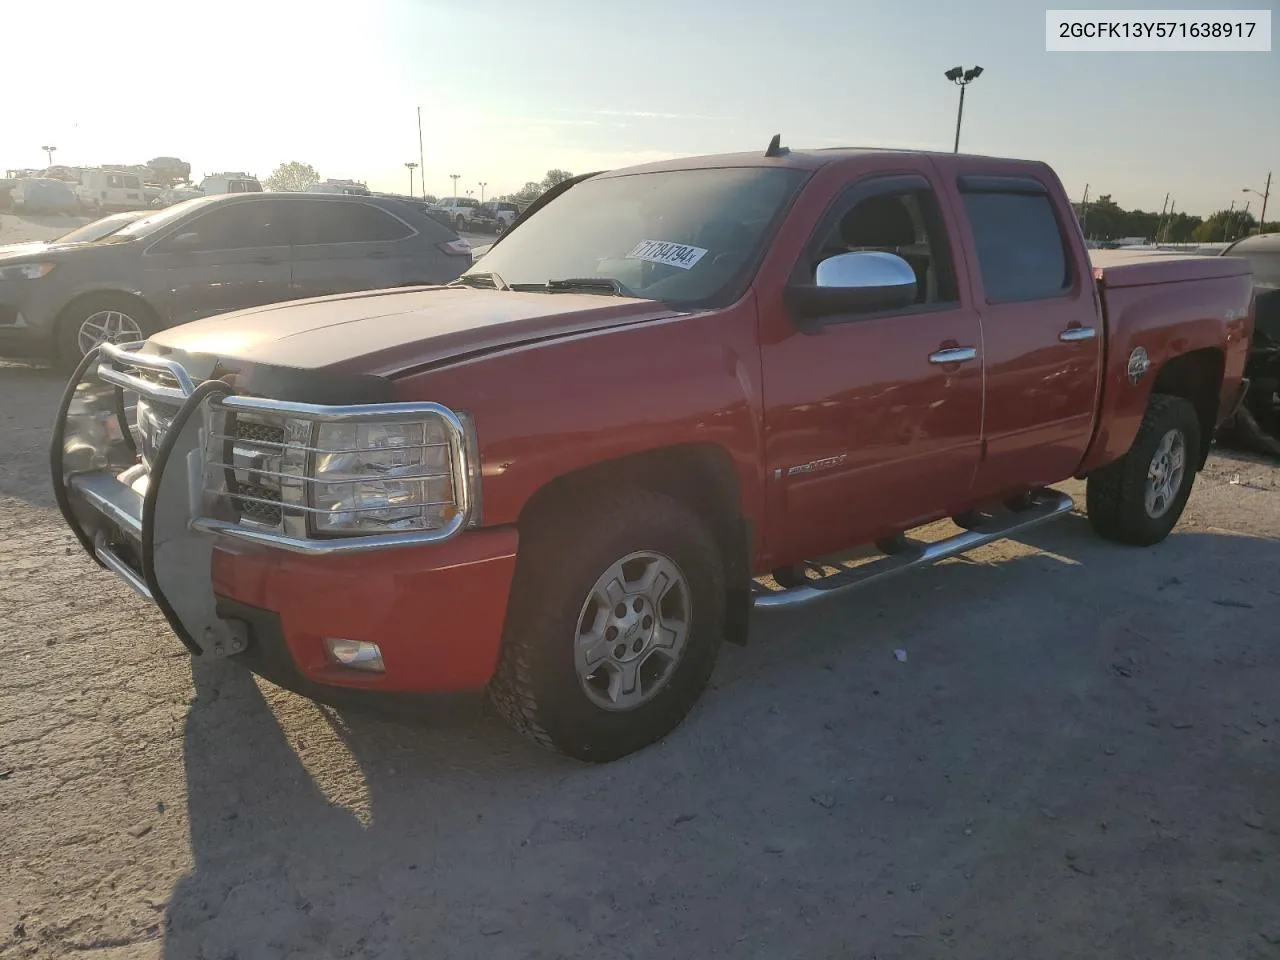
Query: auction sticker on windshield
pixel 672 254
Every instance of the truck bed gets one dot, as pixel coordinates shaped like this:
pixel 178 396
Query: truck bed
pixel 1125 268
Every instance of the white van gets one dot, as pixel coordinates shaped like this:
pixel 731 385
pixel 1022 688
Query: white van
pixel 230 183
pixel 104 191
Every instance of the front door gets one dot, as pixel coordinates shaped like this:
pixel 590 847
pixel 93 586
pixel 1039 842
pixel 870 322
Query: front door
pixel 873 422
pixel 233 256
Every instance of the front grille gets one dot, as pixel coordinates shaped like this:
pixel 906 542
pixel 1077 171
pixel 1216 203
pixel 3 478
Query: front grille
pixel 254 483
pixel 259 432
pixel 248 500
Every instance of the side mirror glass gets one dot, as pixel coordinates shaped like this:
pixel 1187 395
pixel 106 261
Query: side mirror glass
pixel 861 282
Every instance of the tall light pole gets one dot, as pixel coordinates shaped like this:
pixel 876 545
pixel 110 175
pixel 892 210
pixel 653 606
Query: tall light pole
pixel 1264 194
pixel 422 160
pixel 483 184
pixel 455 177
pixel 49 153
pixel 412 166
pixel 961 78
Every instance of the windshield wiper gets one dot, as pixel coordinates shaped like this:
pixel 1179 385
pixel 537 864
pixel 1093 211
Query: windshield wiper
pixel 589 285
pixel 490 280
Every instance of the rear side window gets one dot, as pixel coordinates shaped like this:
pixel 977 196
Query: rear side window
pixel 328 221
pixel 1020 249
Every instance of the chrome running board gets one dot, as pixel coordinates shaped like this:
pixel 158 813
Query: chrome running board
pixel 1044 506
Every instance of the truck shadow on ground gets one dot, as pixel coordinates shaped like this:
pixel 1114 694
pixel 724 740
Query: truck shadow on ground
pixel 29 397
pixel 822 799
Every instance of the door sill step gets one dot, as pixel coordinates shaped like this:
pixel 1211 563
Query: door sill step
pixel 1043 505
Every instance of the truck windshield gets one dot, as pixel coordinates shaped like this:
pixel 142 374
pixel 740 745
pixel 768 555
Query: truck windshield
pixel 685 236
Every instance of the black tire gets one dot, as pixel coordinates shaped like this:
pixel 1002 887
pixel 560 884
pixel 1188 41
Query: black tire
pixel 73 317
pixel 1115 495
pixel 562 553
pixel 1244 432
pixel 459 223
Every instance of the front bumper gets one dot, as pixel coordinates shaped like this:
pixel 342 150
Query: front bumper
pixel 435 608
pixel 27 311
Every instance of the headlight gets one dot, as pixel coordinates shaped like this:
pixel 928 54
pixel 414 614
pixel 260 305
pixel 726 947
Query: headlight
pixel 378 476
pixel 25 271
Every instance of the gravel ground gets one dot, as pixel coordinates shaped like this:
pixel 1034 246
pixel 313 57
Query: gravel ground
pixel 1079 757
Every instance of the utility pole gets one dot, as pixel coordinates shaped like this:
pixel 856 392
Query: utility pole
pixel 422 160
pixel 455 177
pixel 49 153
pixel 412 166
pixel 1084 211
pixel 1160 225
pixel 483 184
pixel 1169 226
pixel 961 78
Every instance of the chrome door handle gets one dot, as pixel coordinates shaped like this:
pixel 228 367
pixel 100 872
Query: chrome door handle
pixel 954 355
pixel 1072 334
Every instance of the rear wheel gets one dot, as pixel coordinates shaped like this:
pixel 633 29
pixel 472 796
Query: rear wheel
pixel 616 617
pixel 1139 498
pixel 103 318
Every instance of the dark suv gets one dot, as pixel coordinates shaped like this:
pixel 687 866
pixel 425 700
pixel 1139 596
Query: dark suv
pixel 211 255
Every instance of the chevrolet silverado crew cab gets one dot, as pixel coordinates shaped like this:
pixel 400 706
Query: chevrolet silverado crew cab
pixel 668 395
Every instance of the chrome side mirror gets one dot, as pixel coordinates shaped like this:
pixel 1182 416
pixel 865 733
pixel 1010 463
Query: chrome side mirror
pixel 866 281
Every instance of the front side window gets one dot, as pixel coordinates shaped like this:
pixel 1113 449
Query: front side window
pixel 1020 247
pixel 236 226
pixel 906 223
pixel 686 236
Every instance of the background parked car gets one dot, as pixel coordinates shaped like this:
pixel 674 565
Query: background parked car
pixel 102 191
pixel 42 195
pixel 458 209
pixel 212 255
pixel 495 216
pixel 1256 425
pixel 230 183
pixel 171 195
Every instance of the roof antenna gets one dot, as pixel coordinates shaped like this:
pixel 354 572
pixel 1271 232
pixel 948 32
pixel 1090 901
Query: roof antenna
pixel 776 149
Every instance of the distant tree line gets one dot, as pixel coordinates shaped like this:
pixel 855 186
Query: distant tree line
pixel 533 189
pixel 1104 219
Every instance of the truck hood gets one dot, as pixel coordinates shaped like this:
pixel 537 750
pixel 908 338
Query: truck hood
pixel 391 331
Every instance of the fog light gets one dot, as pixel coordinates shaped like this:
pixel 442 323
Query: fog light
pixel 356 654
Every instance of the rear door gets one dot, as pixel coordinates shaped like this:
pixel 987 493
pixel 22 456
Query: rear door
pixel 873 421
pixel 342 244
pixel 232 255
pixel 1042 331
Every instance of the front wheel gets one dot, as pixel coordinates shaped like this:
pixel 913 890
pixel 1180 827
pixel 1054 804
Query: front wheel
pixel 459 223
pixel 99 319
pixel 1139 498
pixel 616 617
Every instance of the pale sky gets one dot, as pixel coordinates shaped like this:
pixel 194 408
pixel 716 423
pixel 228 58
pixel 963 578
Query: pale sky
pixel 510 88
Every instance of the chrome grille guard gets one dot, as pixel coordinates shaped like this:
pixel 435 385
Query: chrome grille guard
pixel 108 495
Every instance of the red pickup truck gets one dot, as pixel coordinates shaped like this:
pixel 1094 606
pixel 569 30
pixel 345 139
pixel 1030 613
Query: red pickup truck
pixel 668 394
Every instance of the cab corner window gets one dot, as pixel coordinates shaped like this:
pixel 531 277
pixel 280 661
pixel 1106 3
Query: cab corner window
pixel 1020 249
